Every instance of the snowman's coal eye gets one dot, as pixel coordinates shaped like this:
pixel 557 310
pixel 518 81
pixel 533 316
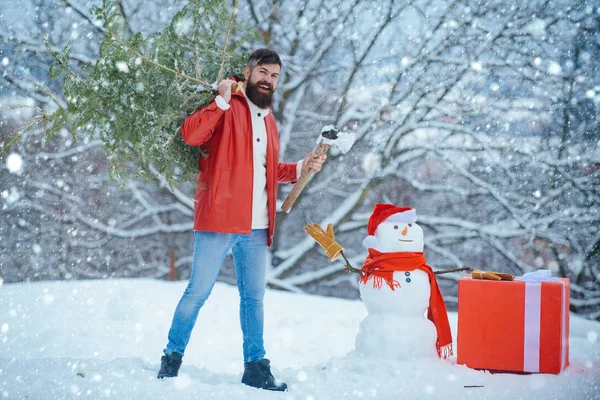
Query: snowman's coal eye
pixel 409 224
pixel 395 226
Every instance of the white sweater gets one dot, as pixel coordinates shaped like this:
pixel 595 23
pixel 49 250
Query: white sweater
pixel 260 213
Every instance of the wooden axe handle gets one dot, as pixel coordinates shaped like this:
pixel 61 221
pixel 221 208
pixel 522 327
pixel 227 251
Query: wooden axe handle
pixel 303 180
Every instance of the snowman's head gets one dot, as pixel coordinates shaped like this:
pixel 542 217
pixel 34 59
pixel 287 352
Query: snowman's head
pixel 394 229
pixel 399 237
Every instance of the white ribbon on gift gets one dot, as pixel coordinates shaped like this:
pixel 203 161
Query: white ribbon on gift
pixel 533 302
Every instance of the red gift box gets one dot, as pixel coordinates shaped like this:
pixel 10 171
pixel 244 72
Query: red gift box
pixel 513 326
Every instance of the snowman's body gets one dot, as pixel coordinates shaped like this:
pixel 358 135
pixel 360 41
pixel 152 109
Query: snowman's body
pixel 396 326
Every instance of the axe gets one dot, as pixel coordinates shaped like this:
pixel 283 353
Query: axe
pixel 330 135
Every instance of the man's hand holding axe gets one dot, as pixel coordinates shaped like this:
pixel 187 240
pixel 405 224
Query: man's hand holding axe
pixel 330 135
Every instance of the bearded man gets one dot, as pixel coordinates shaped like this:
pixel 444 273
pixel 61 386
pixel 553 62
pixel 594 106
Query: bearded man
pixel 234 209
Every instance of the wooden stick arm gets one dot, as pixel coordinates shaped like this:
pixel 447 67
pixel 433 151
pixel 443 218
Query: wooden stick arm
pixel 444 271
pixel 447 271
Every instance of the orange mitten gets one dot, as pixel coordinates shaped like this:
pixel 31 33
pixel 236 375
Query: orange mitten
pixel 491 275
pixel 325 239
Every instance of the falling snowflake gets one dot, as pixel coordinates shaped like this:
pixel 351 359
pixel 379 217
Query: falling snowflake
pixel 477 66
pixel 183 381
pixel 37 249
pixel 48 299
pixel 537 27
pixel 122 66
pixel 183 26
pixel 14 163
pixel 302 376
pixel 11 196
pixel 371 162
pixel 554 68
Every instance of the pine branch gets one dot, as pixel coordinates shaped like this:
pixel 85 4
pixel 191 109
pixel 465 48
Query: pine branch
pixel 197 66
pixel 112 37
pixel 131 104
pixel 235 9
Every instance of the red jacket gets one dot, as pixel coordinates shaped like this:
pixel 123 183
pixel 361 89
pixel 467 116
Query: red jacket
pixel 223 201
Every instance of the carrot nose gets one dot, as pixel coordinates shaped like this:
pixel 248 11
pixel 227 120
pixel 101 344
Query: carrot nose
pixel 405 231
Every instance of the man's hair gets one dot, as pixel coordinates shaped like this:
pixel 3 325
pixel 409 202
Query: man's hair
pixel 263 56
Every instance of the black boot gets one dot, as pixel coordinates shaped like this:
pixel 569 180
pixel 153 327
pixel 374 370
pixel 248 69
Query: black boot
pixel 258 374
pixel 169 365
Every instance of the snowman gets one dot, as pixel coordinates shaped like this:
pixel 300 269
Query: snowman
pixel 407 317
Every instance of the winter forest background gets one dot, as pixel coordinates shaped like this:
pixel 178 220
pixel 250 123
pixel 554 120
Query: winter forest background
pixel 482 115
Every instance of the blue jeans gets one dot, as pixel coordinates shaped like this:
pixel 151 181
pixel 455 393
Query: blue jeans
pixel 250 258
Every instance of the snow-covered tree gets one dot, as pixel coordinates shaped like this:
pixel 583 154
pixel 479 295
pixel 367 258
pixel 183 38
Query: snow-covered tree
pixel 463 109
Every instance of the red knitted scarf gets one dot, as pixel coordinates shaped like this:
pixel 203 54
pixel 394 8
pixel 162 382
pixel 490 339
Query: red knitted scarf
pixel 381 267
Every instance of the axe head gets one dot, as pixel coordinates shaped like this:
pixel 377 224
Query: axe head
pixel 330 132
pixel 332 136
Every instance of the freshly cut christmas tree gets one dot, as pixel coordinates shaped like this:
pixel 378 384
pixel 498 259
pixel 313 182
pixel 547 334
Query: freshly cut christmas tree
pixel 135 96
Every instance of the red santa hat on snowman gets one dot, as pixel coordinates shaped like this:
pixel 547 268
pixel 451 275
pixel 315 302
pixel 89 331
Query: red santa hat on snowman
pixel 388 213
pixel 381 267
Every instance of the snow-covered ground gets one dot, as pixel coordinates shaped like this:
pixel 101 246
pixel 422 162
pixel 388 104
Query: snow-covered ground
pixel 103 339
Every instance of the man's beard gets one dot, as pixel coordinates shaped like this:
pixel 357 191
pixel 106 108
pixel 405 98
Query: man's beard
pixel 262 100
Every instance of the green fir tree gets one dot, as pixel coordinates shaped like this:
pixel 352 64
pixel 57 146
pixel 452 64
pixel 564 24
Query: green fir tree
pixel 136 94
